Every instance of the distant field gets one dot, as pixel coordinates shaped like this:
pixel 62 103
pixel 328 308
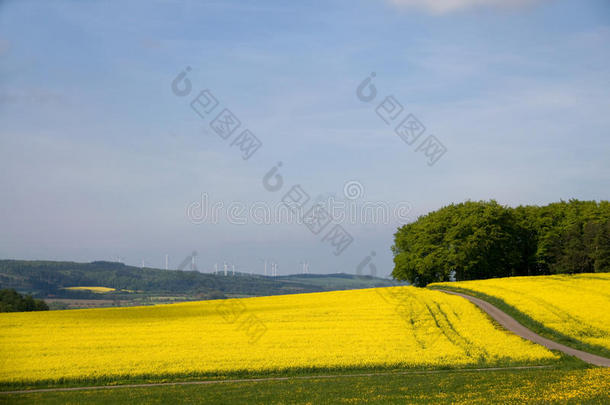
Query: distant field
pixel 92 289
pixel 573 309
pixel 385 327
pixel 143 286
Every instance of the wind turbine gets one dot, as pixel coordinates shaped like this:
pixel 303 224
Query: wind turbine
pixel 274 269
pixel 265 261
pixel 305 264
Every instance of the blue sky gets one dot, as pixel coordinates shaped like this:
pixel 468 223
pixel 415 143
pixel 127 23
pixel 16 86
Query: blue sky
pixel 99 159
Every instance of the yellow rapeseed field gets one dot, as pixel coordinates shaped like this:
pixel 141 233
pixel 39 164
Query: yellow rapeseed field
pixel 92 289
pixel 574 305
pixel 396 326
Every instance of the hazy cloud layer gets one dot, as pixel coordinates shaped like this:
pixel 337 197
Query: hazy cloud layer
pixel 446 6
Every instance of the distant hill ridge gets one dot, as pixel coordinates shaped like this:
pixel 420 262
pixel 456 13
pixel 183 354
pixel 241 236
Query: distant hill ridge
pixel 49 279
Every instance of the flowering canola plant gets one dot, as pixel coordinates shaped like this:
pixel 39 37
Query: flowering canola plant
pixel 393 327
pixel 573 305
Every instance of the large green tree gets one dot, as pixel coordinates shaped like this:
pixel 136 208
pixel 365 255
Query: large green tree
pixel 474 240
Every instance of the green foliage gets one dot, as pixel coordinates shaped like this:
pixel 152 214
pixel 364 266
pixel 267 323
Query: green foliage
pixel 509 386
pixel 12 301
pixel 475 240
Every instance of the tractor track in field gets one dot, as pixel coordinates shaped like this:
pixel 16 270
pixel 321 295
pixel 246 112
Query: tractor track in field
pixel 246 380
pixel 511 324
pixel 500 316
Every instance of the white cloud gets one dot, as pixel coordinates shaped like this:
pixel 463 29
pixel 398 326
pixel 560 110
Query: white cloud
pixel 446 6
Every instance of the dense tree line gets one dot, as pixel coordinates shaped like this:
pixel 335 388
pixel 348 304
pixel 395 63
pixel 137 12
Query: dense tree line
pixel 476 240
pixel 12 301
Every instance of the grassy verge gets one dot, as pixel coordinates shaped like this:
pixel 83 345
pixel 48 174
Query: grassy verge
pixel 557 385
pixel 531 323
pixel 564 362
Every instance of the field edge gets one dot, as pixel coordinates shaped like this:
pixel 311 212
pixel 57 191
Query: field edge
pixel 528 322
pixel 564 362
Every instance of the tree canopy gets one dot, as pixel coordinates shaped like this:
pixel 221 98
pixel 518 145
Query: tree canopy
pixel 12 301
pixel 476 240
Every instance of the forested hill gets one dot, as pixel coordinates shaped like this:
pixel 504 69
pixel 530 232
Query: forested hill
pixel 49 279
pixel 476 240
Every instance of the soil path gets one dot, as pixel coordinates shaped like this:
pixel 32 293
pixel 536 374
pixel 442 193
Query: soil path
pixel 512 325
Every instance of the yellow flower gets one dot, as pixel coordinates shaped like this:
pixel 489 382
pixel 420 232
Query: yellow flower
pixel 396 326
pixel 573 305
